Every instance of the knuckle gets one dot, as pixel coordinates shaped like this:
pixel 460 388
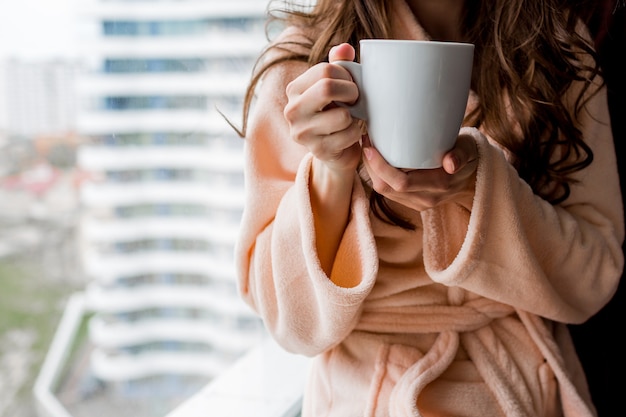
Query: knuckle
pixel 298 132
pixel 301 136
pixel 354 133
pixel 327 70
pixel 325 87
pixel 298 137
pixel 317 145
pixel 289 112
pixel 345 119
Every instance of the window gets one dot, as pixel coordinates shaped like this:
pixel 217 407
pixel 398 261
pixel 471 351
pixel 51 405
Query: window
pixel 135 200
pixel 154 28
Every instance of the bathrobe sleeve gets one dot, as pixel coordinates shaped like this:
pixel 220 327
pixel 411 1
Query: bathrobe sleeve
pixel 560 262
pixel 279 273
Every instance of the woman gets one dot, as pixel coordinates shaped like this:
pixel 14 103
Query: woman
pixel 445 291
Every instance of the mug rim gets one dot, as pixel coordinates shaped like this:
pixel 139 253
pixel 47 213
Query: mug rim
pixel 417 41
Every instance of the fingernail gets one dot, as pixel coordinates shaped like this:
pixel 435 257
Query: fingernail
pixel 454 163
pixel 367 152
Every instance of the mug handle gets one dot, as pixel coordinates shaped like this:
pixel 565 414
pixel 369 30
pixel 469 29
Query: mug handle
pixel 358 109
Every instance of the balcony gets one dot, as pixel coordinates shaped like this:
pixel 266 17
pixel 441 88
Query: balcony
pixel 106 268
pixel 207 120
pixel 164 296
pixel 118 335
pixel 265 382
pixel 215 231
pixel 212 85
pixel 101 194
pixel 214 158
pixel 127 367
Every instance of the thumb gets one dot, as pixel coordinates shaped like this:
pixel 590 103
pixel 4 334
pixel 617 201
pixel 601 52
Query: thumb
pixel 342 52
pixel 463 154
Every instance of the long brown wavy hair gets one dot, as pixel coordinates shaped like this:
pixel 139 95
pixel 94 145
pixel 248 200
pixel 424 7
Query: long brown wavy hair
pixel 527 54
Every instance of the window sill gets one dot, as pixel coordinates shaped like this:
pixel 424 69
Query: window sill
pixel 266 382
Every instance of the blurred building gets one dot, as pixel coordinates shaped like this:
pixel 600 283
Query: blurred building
pixel 37 97
pixel 162 185
pixel 3 102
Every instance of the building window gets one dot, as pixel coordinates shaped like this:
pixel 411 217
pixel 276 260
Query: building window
pixel 154 102
pixel 191 27
pixel 151 139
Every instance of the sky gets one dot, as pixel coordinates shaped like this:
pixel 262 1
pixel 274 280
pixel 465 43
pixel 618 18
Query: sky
pixel 37 29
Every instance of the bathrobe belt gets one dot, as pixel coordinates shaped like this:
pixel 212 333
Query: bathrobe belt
pixel 468 323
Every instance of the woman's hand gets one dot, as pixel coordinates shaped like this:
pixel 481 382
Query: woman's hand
pixel 330 133
pixel 316 122
pixel 421 189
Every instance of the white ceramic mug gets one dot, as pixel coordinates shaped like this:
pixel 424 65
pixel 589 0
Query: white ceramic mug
pixel 412 95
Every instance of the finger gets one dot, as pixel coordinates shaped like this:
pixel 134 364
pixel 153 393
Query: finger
pixel 463 153
pixel 318 99
pixel 342 52
pixel 332 146
pixel 332 120
pixel 388 179
pixel 320 86
pixel 384 176
pixel 330 91
pixel 322 124
pixel 317 72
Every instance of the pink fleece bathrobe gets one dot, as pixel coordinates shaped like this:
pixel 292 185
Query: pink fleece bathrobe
pixel 461 317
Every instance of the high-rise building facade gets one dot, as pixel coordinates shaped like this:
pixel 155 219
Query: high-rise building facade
pixel 37 97
pixel 162 186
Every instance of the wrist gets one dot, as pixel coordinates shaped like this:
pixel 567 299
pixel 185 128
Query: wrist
pixel 326 181
pixel 331 195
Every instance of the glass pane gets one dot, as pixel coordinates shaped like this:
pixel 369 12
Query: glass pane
pixel 121 191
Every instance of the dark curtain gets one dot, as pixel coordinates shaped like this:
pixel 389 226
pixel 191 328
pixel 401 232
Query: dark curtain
pixel 601 341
